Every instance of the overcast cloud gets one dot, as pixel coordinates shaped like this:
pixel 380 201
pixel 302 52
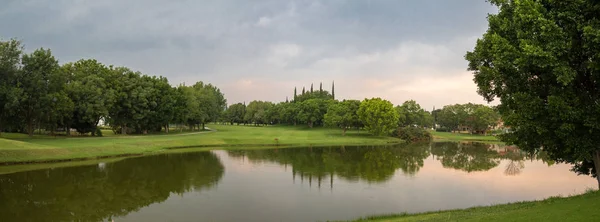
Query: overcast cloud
pixel 261 49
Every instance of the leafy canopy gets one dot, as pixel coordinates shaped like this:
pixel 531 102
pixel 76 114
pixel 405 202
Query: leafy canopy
pixel 542 60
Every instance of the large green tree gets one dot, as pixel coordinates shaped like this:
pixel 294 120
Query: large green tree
pixel 342 114
pixel 378 115
pixel 38 67
pixel 542 60
pixel 313 111
pixel 10 60
pixel 90 94
pixel 411 114
pixel 235 113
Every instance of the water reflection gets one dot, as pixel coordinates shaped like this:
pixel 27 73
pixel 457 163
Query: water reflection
pixel 99 192
pixel 367 180
pixel 372 164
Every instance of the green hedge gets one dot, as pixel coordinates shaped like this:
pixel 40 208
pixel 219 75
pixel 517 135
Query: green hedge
pixel 412 134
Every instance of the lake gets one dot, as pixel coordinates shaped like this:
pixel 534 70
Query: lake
pixel 293 184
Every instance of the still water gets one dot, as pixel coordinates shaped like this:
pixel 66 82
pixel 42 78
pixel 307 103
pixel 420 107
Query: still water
pixel 303 184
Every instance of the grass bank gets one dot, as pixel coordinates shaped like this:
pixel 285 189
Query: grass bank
pixel 16 148
pixel 447 136
pixel 575 208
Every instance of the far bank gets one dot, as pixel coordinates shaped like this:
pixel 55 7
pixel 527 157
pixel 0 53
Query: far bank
pixel 20 150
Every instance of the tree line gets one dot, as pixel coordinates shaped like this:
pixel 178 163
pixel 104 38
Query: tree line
pixel 380 117
pixel 475 118
pixel 36 92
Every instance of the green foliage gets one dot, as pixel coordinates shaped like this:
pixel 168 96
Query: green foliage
pixel 313 111
pixel 38 67
pixel 235 113
pixel 412 134
pixel 257 112
pixel 476 117
pixel 37 93
pixel 541 59
pixel 343 115
pixel 324 95
pixel 98 132
pixel 411 114
pixel 378 116
pixel 10 58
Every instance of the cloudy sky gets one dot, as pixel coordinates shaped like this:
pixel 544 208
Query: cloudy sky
pixel 261 49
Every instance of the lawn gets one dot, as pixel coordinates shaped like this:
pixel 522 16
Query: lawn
pixel 576 208
pixel 447 136
pixel 17 148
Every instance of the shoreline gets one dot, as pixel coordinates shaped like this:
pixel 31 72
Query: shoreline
pixel 579 207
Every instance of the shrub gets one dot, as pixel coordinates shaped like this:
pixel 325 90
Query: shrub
pixel 98 132
pixel 443 129
pixel 412 134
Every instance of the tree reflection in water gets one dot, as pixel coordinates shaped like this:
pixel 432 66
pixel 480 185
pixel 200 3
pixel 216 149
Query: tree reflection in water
pixel 96 193
pixel 369 163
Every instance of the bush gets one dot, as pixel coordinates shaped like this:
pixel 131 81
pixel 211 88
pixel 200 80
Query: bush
pixel 443 129
pixel 412 134
pixel 98 132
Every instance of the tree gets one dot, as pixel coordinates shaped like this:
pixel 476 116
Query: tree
pixel 90 94
pixel 542 60
pixel 482 119
pixel 35 98
pixel 411 114
pixel 235 113
pixel 10 59
pixel 295 94
pixel 342 114
pixel 333 90
pixel 312 111
pixel 256 112
pixel 378 115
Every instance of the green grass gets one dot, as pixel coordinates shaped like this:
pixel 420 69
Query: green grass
pixel 17 148
pixel 446 136
pixel 575 208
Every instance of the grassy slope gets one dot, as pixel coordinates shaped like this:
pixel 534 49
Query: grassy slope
pixel 24 149
pixel 576 208
pixel 446 136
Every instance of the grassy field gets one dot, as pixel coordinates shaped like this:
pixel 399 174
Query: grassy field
pixel 576 208
pixel 18 148
pixel 446 136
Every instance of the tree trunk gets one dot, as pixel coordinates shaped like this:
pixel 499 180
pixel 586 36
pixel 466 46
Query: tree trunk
pixel 167 128
pixel 123 129
pixel 30 127
pixel 202 126
pixel 68 129
pixel 344 133
pixel 597 165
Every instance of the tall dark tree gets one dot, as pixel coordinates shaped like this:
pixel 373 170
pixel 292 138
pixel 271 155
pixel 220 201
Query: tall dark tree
pixel 295 94
pixel 311 88
pixel 333 89
pixel 542 60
